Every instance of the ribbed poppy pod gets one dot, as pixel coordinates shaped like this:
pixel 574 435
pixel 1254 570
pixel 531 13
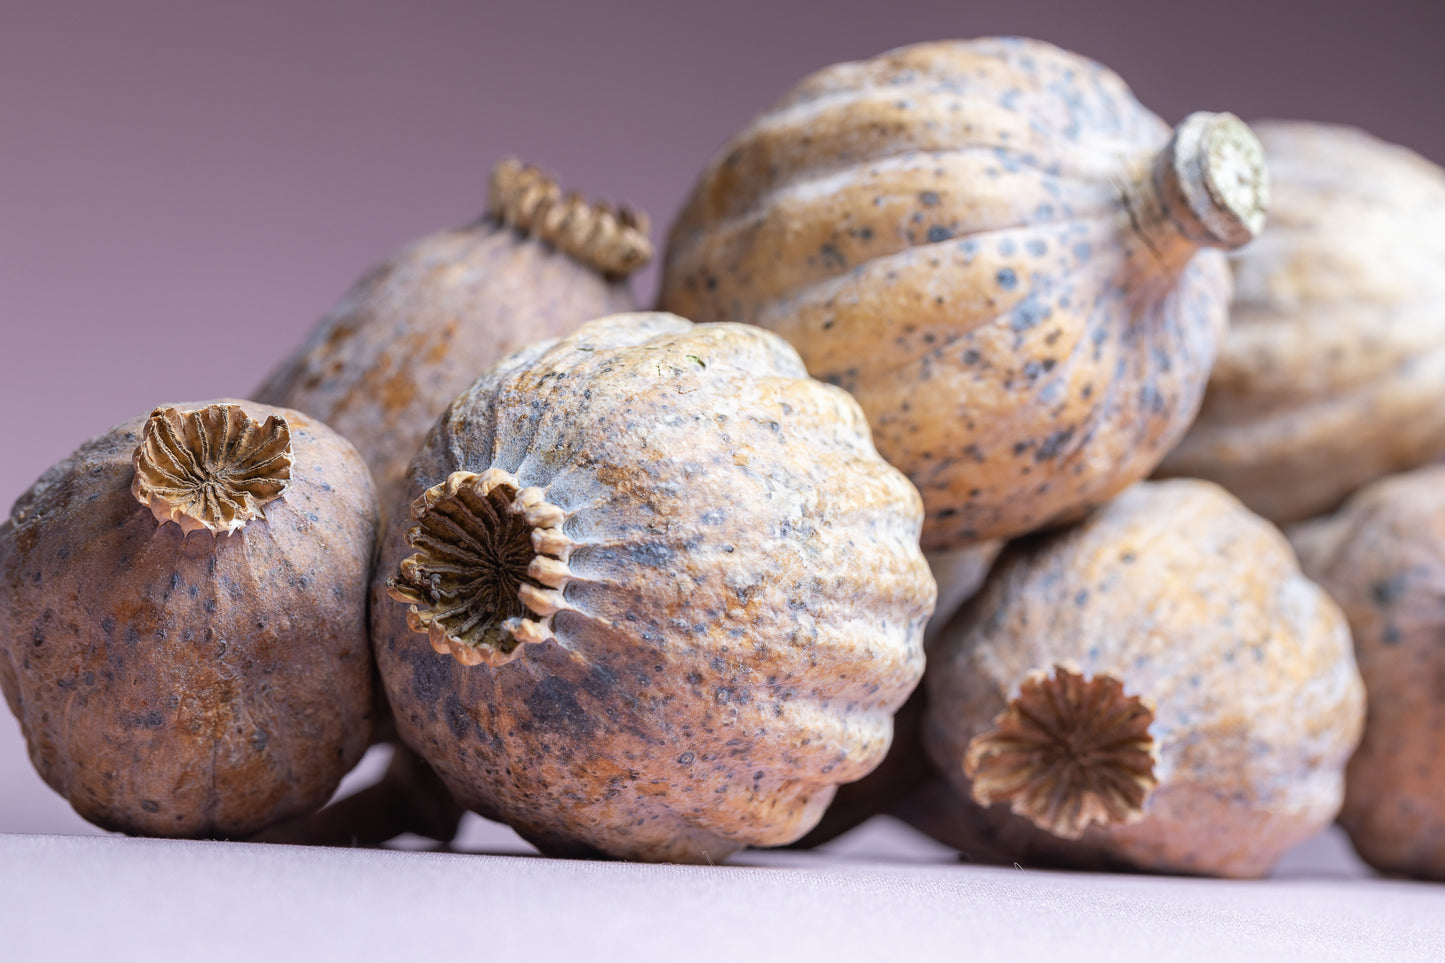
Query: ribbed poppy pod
pixel 1382 557
pixel 1156 688
pixel 183 631
pixel 1014 267
pixel 1333 373
pixel 655 595
pixel 419 328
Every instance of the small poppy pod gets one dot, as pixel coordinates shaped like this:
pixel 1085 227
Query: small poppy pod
pixel 1014 267
pixel 656 594
pixel 1333 373
pixel 1155 688
pixel 416 330
pixel 183 636
pixel 1382 557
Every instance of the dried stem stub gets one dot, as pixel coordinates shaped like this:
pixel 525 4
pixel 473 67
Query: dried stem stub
pixel 612 241
pixel 490 567
pixel 213 468
pixel 1068 752
pixel 1213 181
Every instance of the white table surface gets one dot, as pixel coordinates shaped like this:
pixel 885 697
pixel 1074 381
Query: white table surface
pixel 881 893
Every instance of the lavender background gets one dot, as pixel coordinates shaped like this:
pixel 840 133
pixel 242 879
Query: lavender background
pixel 185 186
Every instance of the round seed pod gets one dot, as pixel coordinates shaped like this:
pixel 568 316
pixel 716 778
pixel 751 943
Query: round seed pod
pixel 1011 264
pixel 183 631
pixel 1333 373
pixel 1382 557
pixel 683 592
pixel 415 331
pixel 1156 688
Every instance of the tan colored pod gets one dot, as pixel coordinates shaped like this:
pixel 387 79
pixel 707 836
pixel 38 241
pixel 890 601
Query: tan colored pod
pixel 416 330
pixel 1009 262
pixel 1382 557
pixel 683 592
pixel 1156 688
pixel 183 627
pixel 1333 373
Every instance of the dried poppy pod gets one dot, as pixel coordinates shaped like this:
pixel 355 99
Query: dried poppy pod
pixel 1010 263
pixel 683 592
pixel 1333 373
pixel 417 330
pixel 183 630
pixel 1382 557
pixel 1156 688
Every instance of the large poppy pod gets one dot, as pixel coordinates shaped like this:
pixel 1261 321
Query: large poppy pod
pixel 1010 263
pixel 683 592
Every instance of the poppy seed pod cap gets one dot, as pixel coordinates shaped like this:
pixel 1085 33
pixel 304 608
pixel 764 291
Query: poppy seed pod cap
pixel 183 630
pixel 655 594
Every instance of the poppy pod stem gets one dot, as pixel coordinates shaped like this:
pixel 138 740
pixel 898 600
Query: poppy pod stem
pixel 1208 187
pixel 611 241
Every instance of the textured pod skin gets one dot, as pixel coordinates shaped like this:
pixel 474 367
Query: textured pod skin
pixel 959 573
pixel 1382 557
pixel 190 684
pixel 416 330
pixel 1200 610
pixel 742 608
pixel 970 237
pixel 1333 373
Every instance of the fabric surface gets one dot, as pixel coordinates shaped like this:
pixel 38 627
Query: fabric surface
pixel 884 893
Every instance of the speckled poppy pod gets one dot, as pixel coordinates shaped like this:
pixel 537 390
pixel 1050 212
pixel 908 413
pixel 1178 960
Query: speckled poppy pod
pixel 1382 557
pixel 656 594
pixel 418 329
pixel 1333 373
pixel 1157 688
pixel 1012 265
pixel 183 630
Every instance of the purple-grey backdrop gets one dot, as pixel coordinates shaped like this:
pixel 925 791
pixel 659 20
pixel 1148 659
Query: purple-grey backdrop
pixel 185 186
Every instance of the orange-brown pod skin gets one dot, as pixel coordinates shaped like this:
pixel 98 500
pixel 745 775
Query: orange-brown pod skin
pixel 191 683
pixel 715 600
pixel 1333 373
pixel 419 328
pixel 1156 688
pixel 1382 557
pixel 998 251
